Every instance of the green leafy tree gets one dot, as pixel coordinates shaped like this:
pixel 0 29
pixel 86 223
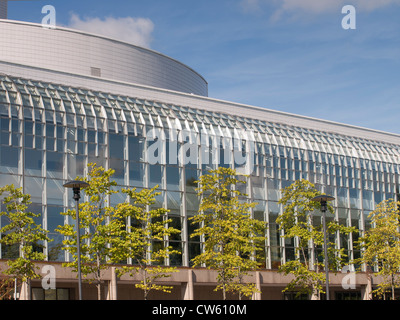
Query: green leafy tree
pixel 381 246
pixel 99 224
pixel 232 237
pixel 299 222
pixel 23 232
pixel 144 240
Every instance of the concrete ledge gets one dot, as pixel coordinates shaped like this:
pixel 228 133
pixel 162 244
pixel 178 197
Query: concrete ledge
pixel 192 283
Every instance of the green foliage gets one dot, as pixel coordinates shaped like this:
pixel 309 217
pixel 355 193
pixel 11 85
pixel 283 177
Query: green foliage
pixel 144 240
pixel 305 280
pixel 115 234
pixel 99 226
pixel 231 236
pixel 298 221
pixel 381 245
pixel 22 231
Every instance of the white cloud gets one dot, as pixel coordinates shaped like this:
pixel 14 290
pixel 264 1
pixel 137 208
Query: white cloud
pixel 133 30
pixel 315 6
pixel 328 5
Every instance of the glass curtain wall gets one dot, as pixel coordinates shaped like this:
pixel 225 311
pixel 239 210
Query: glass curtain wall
pixel 49 132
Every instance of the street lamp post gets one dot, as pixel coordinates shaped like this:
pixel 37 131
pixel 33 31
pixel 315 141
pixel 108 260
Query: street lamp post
pixel 323 199
pixel 76 187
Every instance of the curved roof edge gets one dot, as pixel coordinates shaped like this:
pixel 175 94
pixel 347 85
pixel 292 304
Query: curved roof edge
pixel 115 58
pixel 104 37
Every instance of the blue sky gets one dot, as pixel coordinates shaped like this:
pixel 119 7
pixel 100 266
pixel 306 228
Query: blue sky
pixel 287 55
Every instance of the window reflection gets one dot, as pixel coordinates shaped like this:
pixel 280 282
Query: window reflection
pixel 33 162
pixel 116 146
pixel 55 164
pixel 55 191
pixel 136 174
pixel 173 178
pixel 55 219
pixel 156 176
pixel 136 148
pixel 34 186
pixel 9 159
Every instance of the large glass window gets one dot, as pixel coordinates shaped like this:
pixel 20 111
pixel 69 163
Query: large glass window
pixel 9 159
pixel 136 148
pixel 55 164
pixel 34 186
pixel 192 202
pixel 136 174
pixel 368 203
pixel 76 166
pixel 191 178
pixel 176 258
pixel 342 197
pixel 156 176
pixel 33 162
pixel 273 187
pixel 55 191
pixel 119 166
pixel 355 198
pixel 173 178
pixel 174 200
pixel 55 219
pixel 116 146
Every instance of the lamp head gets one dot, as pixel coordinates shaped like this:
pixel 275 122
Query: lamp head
pixel 323 199
pixel 76 186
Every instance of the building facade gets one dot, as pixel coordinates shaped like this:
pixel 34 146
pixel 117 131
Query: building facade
pixel 68 98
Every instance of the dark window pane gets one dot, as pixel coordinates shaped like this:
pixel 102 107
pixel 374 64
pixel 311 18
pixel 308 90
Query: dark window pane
pixel 55 164
pixel 173 178
pixel 9 158
pixel 136 147
pixel 33 162
pixel 116 146
pixel 136 174
pixel 155 175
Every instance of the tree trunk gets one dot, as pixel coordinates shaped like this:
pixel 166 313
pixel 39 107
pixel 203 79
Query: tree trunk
pixel 392 283
pixel 146 292
pixel 315 295
pixel 98 278
pixel 98 290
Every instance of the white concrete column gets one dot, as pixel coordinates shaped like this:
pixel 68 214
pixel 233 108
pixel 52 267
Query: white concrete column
pixel 112 293
pixel 257 295
pixel 188 293
pixel 366 290
pixel 25 293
